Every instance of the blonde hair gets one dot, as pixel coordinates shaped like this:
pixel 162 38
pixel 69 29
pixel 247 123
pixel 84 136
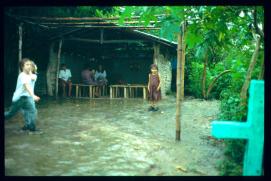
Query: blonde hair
pixel 34 67
pixel 22 62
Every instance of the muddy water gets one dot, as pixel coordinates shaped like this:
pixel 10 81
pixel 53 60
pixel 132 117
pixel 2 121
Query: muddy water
pixel 114 137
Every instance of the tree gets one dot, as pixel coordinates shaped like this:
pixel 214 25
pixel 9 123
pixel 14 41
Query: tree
pixel 257 34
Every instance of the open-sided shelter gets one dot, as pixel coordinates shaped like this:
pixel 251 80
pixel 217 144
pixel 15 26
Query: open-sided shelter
pixel 124 51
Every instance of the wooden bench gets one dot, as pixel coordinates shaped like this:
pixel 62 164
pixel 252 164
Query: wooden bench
pixel 91 89
pixel 129 90
pixel 134 87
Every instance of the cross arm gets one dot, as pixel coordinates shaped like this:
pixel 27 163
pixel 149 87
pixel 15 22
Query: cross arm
pixel 230 129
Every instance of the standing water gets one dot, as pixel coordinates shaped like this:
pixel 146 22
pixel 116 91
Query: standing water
pixel 85 137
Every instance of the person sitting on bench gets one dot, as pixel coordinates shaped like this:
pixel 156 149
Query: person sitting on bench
pixel 87 76
pixel 100 76
pixel 65 79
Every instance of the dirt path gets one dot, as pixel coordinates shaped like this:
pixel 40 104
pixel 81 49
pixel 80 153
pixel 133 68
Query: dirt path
pixel 114 137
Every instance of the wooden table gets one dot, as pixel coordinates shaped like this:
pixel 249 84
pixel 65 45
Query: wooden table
pixel 129 90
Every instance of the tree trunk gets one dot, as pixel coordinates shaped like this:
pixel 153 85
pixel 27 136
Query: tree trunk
pixel 243 94
pixel 183 61
pixel 178 92
pixel 261 75
pixel 214 81
pixel 50 74
pixel 57 68
pixel 20 44
pixel 204 76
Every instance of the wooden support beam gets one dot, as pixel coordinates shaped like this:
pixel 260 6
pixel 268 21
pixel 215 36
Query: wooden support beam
pixel 93 22
pixel 50 67
pixel 178 92
pixel 20 43
pixel 111 27
pixel 102 36
pixel 57 67
pixel 82 39
pixel 66 33
pixel 77 18
pixel 26 21
pixel 156 48
pixel 105 41
pixel 183 60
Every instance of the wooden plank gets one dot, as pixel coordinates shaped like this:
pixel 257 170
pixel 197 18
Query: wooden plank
pixel 93 22
pixel 110 27
pixel 76 18
pixel 65 33
pixel 104 41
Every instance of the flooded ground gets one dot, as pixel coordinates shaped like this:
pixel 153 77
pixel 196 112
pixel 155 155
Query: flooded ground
pixel 114 137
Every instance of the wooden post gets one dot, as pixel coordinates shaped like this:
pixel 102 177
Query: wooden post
pixel 76 92
pixel 125 92
pixel 144 92
pixel 57 67
pixel 178 85
pixel 102 36
pixel 90 91
pixel 20 43
pixel 155 53
pixel 183 61
pixel 49 77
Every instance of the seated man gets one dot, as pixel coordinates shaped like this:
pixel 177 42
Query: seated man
pixel 100 76
pixel 88 76
pixel 65 79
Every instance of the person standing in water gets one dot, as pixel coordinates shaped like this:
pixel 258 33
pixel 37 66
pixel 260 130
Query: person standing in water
pixel 154 88
pixel 24 97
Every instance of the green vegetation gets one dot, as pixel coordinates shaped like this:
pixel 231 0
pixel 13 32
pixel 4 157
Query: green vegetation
pixel 221 42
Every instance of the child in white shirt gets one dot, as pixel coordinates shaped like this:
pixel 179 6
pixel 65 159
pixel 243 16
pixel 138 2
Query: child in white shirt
pixel 24 97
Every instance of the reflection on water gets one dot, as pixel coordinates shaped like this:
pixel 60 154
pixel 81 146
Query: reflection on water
pixel 113 137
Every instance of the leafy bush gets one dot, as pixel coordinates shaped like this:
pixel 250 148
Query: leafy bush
pixel 194 80
pixel 229 167
pixel 230 108
pixel 232 111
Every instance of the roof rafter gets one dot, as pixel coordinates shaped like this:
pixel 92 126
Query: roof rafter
pixel 81 18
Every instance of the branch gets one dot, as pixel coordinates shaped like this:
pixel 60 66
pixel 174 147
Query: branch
pixel 214 80
pixel 258 30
